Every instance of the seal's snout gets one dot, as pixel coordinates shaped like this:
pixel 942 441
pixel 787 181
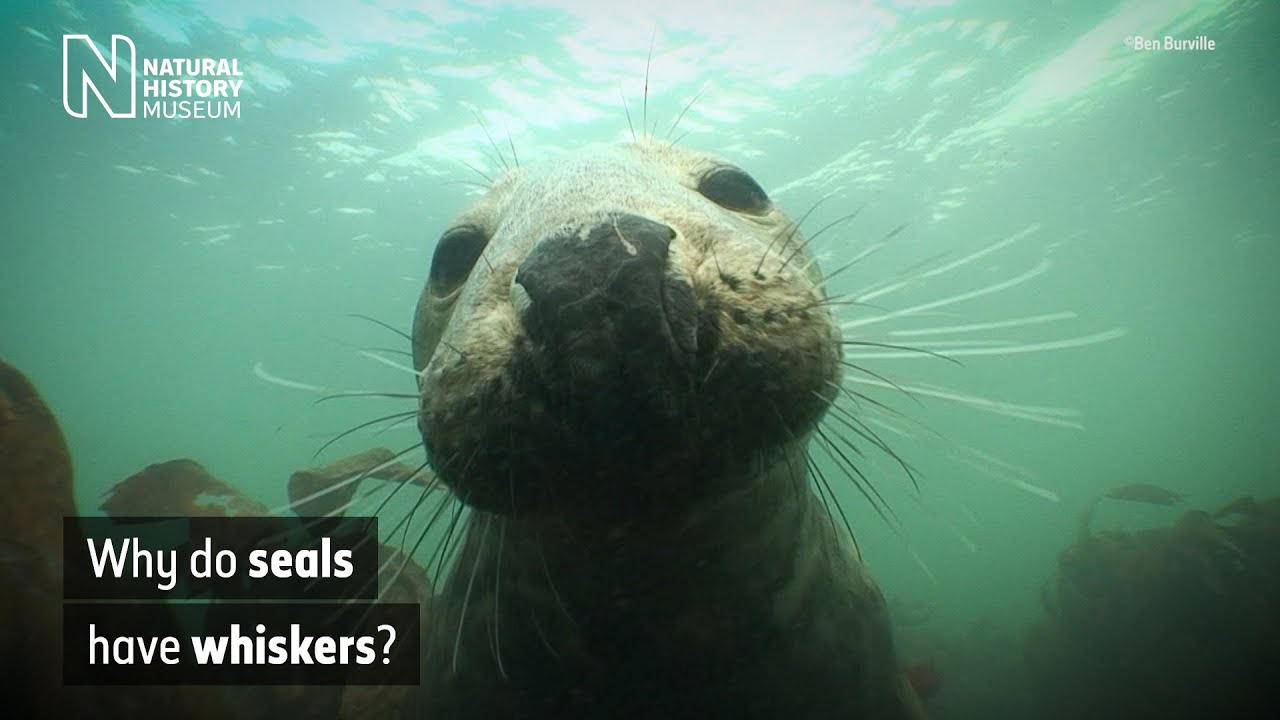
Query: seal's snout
pixel 613 265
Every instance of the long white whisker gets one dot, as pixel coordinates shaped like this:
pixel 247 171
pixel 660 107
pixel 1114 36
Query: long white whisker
pixel 1044 415
pixel 948 267
pixel 987 465
pixel 1036 271
pixel 262 373
pixel 1081 341
pixel 466 597
pixel 924 567
pixel 932 344
pixel 996 325
pixel 856 259
pixel 391 363
pixel 355 477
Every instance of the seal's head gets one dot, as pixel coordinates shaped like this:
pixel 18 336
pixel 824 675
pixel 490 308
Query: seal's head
pixel 624 330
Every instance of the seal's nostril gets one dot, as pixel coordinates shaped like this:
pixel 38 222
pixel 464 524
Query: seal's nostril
pixel 520 299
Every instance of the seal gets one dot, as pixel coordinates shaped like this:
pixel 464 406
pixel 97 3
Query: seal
pixel 622 353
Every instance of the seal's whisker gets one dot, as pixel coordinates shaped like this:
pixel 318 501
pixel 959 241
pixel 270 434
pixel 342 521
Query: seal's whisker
pixel 1015 281
pixel 497 597
pixel 472 183
pixel 715 259
pixel 341 509
pixel 388 363
pixel 866 371
pixel 262 374
pixel 1043 414
pixel 799 487
pixel 860 256
pixel 627 111
pixel 366 539
pixel 448 548
pixel 921 501
pixel 479 172
pixel 431 521
pixel 458 507
pixel 405 558
pixel 388 351
pixel 986 464
pixel 790 231
pixel 824 490
pixel 860 481
pixel 943 344
pixel 361 426
pixel 515 159
pixel 920 563
pixel 1063 344
pixel 366 394
pixel 959 262
pixel 648 63
pixel 964 539
pixel 546 573
pixel 993 325
pixel 808 242
pixel 392 426
pixel 408 416
pixel 542 634
pixel 502 160
pixel 295 503
pixel 426 489
pixel 422 536
pixel 913 350
pixel 912 275
pixel 382 566
pixel 867 252
pixel 686 109
pixel 857 426
pixel 407 517
pixel 828 302
pixel 842 462
pixel 471 580
pixel 406 522
pixel 416 344
pixel 451 347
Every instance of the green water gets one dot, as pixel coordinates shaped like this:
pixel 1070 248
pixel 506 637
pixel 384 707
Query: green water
pixel 149 265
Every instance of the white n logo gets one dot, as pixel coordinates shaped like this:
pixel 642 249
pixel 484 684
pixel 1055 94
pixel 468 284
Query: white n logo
pixel 70 76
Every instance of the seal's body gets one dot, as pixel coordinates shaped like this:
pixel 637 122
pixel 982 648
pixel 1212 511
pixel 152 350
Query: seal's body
pixel 622 354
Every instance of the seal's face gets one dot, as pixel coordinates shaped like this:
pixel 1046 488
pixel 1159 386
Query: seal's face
pixel 626 330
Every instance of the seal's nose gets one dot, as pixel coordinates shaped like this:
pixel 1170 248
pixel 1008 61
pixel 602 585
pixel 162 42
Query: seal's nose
pixel 615 264
pixel 610 324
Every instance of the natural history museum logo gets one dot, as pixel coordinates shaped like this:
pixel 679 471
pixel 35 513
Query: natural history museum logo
pixel 194 88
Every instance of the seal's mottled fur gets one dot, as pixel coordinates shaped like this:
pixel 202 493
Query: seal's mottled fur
pixel 622 354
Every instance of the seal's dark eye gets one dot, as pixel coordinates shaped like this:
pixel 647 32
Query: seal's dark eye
pixel 455 255
pixel 733 189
